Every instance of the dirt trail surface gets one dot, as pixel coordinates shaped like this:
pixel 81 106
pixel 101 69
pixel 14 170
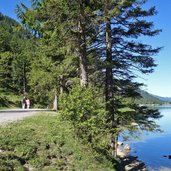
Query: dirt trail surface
pixel 14 116
pixel 7 116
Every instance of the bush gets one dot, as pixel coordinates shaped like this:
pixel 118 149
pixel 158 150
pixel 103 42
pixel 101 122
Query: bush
pixel 84 108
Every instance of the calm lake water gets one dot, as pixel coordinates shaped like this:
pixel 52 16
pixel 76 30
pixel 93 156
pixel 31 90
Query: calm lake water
pixel 153 147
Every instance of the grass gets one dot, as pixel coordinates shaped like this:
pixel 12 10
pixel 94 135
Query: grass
pixel 46 143
pixel 9 101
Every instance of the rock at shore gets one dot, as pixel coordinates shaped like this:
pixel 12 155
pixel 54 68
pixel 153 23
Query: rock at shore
pixel 130 163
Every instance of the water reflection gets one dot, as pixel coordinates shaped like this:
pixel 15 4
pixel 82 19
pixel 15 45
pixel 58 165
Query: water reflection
pixel 155 146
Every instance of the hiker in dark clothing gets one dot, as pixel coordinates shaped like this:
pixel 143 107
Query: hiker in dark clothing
pixel 23 102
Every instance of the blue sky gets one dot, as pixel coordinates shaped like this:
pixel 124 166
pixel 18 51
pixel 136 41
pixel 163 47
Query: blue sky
pixel 7 7
pixel 159 82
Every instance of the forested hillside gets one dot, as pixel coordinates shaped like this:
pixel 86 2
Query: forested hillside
pixel 164 99
pixel 149 99
pixel 14 61
pixel 85 52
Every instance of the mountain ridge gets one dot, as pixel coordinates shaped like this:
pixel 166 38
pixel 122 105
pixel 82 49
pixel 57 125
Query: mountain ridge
pixel 148 98
pixel 165 99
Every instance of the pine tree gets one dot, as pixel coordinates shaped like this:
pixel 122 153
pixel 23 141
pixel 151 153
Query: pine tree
pixel 123 23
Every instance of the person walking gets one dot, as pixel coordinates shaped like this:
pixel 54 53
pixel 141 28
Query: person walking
pixel 28 103
pixel 23 102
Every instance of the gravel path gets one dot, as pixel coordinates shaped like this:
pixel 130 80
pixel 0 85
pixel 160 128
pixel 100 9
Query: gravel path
pixel 11 116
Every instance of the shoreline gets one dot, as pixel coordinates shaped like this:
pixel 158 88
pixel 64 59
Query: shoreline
pixel 130 163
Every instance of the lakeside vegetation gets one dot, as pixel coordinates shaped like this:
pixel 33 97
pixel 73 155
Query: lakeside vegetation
pixel 85 53
pixel 45 142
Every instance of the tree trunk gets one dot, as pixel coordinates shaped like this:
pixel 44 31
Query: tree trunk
pixel 109 94
pixel 24 78
pixel 109 74
pixel 82 46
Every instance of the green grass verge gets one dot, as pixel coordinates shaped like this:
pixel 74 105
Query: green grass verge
pixel 45 143
pixel 9 101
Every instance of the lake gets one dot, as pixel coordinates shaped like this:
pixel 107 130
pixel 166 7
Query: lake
pixel 153 147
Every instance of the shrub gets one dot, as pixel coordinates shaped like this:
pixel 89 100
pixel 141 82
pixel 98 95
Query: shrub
pixel 84 108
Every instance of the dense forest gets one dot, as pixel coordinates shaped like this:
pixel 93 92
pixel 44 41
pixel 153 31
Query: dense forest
pixel 87 53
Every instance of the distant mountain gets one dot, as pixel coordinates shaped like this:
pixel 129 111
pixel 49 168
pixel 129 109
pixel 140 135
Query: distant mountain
pixel 164 99
pixel 12 27
pixel 7 22
pixel 148 98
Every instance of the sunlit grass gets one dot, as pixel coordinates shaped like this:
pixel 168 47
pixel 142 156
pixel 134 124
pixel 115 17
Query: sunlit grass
pixel 45 142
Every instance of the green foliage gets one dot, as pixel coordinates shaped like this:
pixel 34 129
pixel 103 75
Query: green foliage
pixel 84 108
pixel 15 50
pixel 21 63
pixel 9 100
pixel 133 118
pixel 41 80
pixel 5 71
pixel 45 142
